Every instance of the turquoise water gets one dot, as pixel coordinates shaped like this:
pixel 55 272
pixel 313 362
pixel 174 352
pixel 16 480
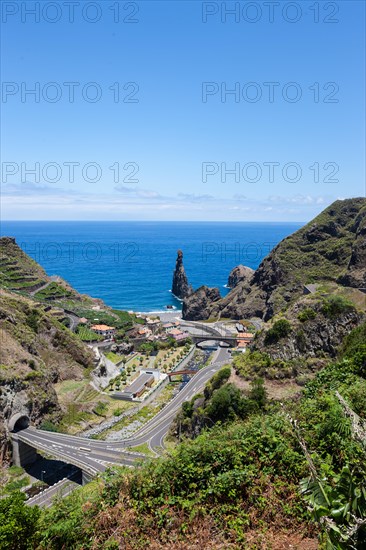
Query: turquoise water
pixel 130 265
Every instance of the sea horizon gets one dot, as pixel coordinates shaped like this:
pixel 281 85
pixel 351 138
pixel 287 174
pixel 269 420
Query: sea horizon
pixel 156 221
pixel 130 264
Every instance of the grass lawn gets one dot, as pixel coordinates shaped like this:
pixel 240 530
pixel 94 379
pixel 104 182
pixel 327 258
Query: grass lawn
pixel 68 386
pixel 144 448
pixel 114 357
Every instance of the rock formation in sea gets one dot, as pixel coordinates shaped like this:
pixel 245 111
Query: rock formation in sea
pixel 180 287
pixel 238 274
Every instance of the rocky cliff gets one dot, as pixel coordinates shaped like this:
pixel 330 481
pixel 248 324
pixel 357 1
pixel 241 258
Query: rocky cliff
pixel 331 248
pixel 317 326
pixel 239 274
pixel 200 307
pixel 180 287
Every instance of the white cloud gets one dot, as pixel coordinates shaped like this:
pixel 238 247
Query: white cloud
pixel 136 192
pixel 30 188
pixel 142 204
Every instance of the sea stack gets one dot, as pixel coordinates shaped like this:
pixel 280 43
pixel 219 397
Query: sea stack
pixel 180 287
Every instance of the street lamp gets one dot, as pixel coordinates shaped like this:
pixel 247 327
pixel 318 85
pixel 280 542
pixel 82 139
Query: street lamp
pixel 42 473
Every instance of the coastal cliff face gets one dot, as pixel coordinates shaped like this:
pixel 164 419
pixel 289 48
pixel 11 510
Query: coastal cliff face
pixel 239 274
pixel 331 248
pixel 200 308
pixel 180 287
pixel 317 325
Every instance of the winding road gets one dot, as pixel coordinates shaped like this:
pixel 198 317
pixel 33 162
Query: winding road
pixel 94 456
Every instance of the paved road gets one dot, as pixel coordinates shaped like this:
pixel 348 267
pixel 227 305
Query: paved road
pixel 61 489
pixel 94 456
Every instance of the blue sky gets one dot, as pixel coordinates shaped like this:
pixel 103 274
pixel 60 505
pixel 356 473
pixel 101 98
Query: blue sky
pixel 173 137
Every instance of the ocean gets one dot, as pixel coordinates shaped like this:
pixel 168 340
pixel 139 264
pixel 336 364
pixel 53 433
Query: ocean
pixel 129 265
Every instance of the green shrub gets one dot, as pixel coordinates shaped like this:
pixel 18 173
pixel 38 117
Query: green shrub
pixel 32 319
pixel 18 523
pixel 33 375
pixel 333 306
pixel 306 315
pixel 49 426
pixel 17 484
pixel 353 342
pixel 280 329
pixel 100 409
pixel 15 471
pixel 252 363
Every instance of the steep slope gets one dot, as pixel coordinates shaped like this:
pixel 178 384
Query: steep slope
pixel 17 270
pixel 332 247
pixel 22 274
pixel 36 351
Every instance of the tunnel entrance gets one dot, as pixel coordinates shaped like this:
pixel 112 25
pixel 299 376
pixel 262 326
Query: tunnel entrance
pixel 18 422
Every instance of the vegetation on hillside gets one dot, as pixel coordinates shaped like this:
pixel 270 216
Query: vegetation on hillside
pixel 284 472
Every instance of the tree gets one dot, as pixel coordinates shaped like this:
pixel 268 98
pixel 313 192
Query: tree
pixel 280 329
pixel 224 403
pixel 18 523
